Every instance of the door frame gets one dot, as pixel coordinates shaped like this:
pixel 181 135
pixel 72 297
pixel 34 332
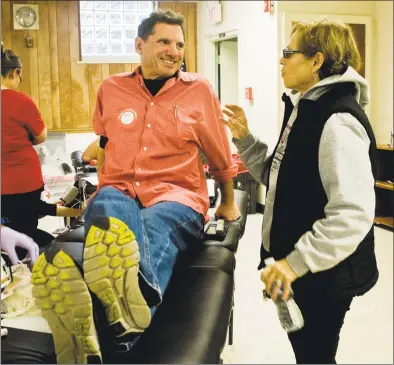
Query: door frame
pixel 210 56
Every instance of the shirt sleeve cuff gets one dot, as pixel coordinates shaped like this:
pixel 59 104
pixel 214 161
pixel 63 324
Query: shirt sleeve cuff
pixel 244 143
pixel 224 176
pixel 297 263
pixel 103 141
pixel 45 208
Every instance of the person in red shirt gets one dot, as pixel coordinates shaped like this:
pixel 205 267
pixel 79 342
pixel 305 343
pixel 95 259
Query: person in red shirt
pixel 21 177
pixel 152 196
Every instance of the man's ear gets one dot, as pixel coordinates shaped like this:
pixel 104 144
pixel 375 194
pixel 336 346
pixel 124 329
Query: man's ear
pixel 138 45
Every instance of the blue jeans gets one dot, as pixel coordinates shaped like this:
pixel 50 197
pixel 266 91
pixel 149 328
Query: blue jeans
pixel 162 231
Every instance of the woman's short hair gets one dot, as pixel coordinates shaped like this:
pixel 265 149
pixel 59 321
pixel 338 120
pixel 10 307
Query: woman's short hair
pixel 334 39
pixel 9 61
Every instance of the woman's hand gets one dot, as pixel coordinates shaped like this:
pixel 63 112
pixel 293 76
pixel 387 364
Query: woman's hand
pixel 237 121
pixel 282 275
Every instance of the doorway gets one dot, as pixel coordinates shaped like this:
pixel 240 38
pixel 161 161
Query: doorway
pixel 226 66
pixel 226 74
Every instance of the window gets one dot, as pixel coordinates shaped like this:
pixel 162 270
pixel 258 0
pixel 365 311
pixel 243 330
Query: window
pixel 108 29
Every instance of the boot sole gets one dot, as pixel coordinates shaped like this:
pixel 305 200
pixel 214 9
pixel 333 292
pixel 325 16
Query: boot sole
pixel 110 265
pixel 64 299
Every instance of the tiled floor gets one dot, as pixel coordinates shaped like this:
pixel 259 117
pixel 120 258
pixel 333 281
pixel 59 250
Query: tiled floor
pixel 367 335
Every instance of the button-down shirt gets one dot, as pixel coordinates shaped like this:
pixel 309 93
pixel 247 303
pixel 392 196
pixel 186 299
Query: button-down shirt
pixel 153 142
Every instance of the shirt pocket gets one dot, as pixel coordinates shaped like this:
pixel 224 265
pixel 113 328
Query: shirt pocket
pixel 178 126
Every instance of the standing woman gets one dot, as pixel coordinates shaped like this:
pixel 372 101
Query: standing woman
pixel 320 205
pixel 21 176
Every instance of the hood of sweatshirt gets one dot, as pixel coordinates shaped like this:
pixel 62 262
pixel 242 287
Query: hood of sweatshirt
pixel 362 93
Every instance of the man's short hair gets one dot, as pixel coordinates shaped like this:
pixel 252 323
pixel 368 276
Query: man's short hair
pixel 146 28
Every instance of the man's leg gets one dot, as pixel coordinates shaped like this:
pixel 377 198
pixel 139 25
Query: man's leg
pixel 161 231
pixel 114 254
pixel 111 250
pixel 110 269
pixel 317 342
pixel 170 228
pixel 65 302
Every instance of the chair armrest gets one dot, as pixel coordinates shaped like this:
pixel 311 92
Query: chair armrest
pixel 241 199
pixel 76 159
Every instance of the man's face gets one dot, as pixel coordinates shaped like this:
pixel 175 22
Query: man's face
pixel 163 51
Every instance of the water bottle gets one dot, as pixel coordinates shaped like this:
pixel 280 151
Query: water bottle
pixel 289 313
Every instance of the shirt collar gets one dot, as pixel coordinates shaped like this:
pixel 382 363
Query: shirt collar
pixel 184 76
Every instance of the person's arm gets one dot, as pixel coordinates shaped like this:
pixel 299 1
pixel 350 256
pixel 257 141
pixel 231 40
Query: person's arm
pixel 214 143
pixel 57 210
pixel 346 174
pixel 99 129
pixel 253 152
pixel 91 151
pixel 227 208
pixel 33 121
pixel 41 138
pixel 227 192
pixel 68 212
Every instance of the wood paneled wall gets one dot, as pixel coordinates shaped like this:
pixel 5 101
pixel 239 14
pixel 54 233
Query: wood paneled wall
pixel 189 11
pixel 64 89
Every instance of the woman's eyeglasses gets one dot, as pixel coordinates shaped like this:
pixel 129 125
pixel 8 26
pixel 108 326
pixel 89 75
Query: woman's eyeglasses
pixel 287 53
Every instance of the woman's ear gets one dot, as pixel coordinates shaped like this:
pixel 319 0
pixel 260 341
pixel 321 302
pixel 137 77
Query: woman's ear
pixel 318 61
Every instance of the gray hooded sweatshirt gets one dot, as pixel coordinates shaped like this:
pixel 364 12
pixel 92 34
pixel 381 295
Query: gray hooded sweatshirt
pixel 346 175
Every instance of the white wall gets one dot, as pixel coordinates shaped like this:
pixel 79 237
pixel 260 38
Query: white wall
pixel 229 77
pixel 328 7
pixel 382 92
pixel 258 60
pixel 78 141
pixel 68 142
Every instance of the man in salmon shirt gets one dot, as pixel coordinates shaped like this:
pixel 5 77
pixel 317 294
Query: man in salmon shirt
pixel 152 195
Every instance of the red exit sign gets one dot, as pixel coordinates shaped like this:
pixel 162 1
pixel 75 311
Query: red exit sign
pixel 268 6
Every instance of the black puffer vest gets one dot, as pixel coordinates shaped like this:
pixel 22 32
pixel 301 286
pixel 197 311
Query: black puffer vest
pixel 300 197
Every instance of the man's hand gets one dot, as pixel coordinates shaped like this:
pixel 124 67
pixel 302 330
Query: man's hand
pixel 280 274
pixel 237 121
pixel 228 211
pixel 11 239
